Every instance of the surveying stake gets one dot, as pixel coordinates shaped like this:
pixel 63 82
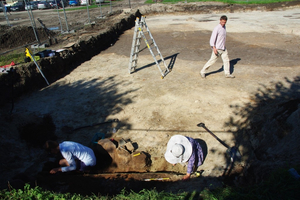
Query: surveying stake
pixel 138 34
pixel 29 54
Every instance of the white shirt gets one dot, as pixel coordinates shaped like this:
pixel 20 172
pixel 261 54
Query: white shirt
pixel 73 151
pixel 218 37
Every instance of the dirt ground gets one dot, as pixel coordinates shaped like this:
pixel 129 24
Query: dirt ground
pixel 263 48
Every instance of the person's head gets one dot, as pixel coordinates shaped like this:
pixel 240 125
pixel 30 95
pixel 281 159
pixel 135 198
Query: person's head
pixel 179 149
pixel 52 146
pixel 223 20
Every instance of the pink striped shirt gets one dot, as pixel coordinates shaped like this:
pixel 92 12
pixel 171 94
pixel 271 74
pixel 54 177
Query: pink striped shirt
pixel 218 37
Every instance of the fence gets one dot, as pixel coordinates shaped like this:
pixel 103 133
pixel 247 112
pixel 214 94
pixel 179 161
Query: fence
pixel 64 19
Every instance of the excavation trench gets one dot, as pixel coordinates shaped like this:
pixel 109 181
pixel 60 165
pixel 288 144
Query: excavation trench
pixel 90 83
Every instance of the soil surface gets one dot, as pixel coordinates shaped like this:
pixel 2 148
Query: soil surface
pixel 263 46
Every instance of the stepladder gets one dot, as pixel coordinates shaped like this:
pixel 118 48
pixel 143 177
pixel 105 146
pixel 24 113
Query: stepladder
pixel 142 32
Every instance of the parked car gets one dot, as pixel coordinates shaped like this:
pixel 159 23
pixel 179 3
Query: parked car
pixel 32 5
pixel 54 4
pixel 99 1
pixel 43 5
pixel 18 6
pixel 73 2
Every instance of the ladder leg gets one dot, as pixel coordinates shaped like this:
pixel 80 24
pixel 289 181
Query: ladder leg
pixel 138 34
pixel 156 47
pixel 134 48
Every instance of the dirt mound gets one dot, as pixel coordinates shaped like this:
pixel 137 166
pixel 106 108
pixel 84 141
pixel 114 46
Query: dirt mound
pixel 12 37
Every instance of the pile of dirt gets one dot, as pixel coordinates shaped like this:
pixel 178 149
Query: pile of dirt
pixel 12 37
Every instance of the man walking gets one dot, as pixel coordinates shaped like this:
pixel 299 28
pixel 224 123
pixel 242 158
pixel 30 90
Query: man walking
pixel 217 43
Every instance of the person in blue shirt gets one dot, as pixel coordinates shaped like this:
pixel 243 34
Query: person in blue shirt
pixel 7 9
pixel 181 149
pixel 75 156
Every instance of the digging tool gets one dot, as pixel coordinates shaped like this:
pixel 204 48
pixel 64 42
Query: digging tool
pixel 47 32
pixel 156 179
pixel 232 151
pixel 30 54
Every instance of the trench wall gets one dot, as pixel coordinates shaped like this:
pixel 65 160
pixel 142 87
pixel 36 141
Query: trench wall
pixel 26 77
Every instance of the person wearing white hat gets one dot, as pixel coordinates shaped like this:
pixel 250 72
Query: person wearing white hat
pixel 181 149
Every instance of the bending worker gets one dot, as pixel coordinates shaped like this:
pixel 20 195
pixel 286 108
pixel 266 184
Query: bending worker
pixel 181 149
pixel 75 156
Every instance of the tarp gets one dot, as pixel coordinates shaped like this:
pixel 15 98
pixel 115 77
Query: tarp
pixel 6 68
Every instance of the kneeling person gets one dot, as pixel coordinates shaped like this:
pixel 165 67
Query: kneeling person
pixel 72 152
pixel 181 149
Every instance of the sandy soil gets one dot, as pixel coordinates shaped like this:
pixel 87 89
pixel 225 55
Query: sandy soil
pixel 263 48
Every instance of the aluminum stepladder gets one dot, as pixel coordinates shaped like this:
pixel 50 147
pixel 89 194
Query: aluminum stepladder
pixel 139 33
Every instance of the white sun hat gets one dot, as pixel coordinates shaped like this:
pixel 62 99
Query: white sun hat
pixel 179 149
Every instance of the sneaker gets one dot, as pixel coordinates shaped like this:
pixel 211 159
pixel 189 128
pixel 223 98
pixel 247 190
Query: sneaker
pixel 229 76
pixel 202 75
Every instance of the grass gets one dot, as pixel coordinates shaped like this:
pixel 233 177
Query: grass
pixel 39 193
pixel 279 185
pixel 15 56
pixel 81 7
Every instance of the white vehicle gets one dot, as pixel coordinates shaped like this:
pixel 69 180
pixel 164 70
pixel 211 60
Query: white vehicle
pixel 32 5
pixel 99 1
pixel 43 5
pixel 83 2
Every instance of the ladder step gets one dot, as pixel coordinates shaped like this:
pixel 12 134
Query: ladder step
pixel 141 29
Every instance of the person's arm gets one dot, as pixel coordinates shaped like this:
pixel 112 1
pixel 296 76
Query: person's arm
pixel 72 163
pixel 187 176
pixel 190 166
pixel 53 171
pixel 213 40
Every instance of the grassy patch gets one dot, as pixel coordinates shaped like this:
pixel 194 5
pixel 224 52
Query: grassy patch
pixel 16 56
pixel 279 185
pixel 39 193
pixel 81 8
